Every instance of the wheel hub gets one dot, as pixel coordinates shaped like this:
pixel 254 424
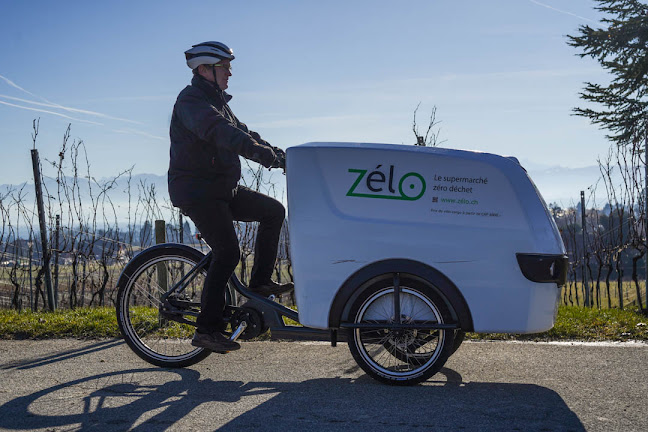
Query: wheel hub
pixel 401 338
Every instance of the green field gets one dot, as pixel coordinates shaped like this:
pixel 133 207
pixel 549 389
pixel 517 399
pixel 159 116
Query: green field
pixel 586 324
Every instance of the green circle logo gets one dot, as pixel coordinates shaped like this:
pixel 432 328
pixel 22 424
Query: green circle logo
pixel 412 180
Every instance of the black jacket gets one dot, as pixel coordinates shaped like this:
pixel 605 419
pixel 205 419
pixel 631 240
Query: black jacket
pixel 206 141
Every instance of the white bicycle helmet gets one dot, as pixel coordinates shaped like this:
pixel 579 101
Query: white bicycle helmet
pixel 208 53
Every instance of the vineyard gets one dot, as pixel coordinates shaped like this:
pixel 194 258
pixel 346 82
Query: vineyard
pixel 94 227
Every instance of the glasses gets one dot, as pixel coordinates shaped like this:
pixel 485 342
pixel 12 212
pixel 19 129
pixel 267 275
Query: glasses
pixel 228 66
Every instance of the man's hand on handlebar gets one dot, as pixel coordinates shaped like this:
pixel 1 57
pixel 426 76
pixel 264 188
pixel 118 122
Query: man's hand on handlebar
pixel 279 151
pixel 280 159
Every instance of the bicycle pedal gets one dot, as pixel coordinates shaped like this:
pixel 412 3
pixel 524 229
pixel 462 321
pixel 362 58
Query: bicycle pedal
pixel 239 330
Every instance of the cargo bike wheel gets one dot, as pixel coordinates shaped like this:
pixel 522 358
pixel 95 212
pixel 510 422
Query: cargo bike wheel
pixel 160 330
pixel 401 356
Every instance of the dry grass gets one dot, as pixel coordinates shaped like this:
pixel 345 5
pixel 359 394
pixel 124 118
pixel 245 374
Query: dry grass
pixel 629 294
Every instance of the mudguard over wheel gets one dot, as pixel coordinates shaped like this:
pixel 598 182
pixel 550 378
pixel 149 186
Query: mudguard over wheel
pixel 407 356
pixel 152 336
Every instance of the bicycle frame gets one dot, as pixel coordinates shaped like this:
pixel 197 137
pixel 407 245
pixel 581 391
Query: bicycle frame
pixel 272 312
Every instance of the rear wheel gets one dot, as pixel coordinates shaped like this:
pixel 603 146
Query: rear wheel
pixel 459 337
pixel 150 334
pixel 406 356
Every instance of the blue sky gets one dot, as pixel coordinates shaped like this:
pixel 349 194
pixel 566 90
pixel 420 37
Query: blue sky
pixel 499 72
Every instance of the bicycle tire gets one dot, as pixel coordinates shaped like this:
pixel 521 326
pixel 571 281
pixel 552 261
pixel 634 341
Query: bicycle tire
pixel 459 337
pixel 152 337
pixel 382 353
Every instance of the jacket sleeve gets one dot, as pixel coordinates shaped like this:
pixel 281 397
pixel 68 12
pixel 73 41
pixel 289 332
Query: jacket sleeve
pixel 204 121
pixel 253 134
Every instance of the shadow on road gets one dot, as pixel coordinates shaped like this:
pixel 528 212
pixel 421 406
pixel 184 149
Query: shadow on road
pixel 156 399
pixel 61 356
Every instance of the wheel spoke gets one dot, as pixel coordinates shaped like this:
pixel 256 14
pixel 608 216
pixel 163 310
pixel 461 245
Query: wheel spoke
pixel 148 295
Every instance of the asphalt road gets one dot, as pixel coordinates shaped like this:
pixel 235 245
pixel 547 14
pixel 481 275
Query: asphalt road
pixel 70 385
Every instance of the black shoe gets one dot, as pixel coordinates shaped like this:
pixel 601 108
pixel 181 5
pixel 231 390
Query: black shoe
pixel 273 288
pixel 214 342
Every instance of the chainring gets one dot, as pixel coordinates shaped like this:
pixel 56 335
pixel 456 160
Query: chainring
pixel 254 320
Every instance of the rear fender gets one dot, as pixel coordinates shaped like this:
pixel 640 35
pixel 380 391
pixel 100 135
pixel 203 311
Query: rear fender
pixel 367 276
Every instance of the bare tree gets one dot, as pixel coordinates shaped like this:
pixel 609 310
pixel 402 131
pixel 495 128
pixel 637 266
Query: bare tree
pixel 431 137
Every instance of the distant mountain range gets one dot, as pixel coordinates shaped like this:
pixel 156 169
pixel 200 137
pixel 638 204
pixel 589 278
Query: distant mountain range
pixel 117 192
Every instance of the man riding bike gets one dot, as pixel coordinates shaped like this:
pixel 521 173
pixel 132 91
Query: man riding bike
pixel 204 170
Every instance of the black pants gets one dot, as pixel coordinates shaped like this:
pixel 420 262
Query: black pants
pixel 214 220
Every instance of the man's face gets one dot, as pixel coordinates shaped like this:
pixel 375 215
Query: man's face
pixel 223 72
pixel 219 73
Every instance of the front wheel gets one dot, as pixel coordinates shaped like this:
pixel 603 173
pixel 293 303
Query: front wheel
pixel 151 335
pixel 406 356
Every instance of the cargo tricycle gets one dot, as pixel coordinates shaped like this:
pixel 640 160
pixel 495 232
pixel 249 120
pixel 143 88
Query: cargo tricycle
pixel 399 250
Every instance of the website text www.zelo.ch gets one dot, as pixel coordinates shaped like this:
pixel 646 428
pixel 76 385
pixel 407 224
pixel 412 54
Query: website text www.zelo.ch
pixel 459 201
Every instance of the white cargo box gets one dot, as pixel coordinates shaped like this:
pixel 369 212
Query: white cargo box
pixel 472 217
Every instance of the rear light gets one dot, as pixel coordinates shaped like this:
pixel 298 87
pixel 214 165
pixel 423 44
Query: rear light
pixel 544 268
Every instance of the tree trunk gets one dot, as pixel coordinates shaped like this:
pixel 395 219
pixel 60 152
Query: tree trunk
pixel 74 300
pixel 635 278
pixel 39 288
pixel 576 286
pixel 104 283
pixel 598 281
pixel 607 285
pixel 564 293
pixel 619 279
pixel 84 276
pixel 598 292
pixel 590 288
pixel 15 299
